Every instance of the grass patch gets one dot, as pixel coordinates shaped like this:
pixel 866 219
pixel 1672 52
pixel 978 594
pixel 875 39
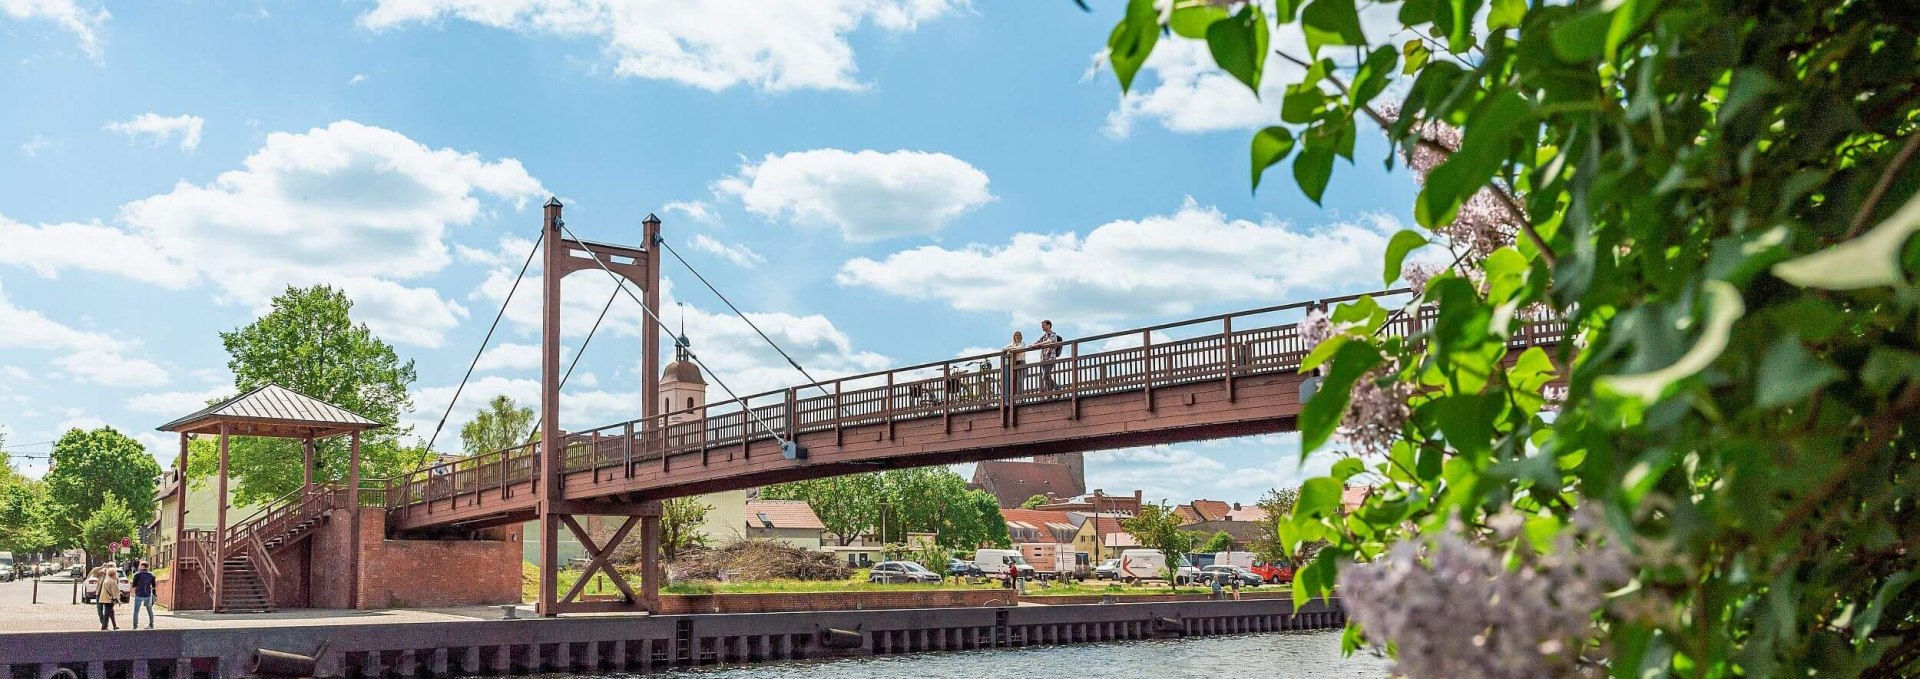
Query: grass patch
pixel 565 579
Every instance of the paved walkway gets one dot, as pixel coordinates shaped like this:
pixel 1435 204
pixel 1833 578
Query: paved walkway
pixel 57 613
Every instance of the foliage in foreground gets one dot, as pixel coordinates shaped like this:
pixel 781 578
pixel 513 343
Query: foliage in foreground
pixel 1710 194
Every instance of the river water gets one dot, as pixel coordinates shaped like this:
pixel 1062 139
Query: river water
pixel 1286 654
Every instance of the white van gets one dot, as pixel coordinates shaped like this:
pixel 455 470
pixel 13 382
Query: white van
pixel 1150 564
pixel 993 562
pixel 1242 559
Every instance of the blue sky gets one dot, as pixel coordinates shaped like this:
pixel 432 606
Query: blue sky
pixel 880 182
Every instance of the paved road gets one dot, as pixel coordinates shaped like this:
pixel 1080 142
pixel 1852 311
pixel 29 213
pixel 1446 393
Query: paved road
pixel 56 613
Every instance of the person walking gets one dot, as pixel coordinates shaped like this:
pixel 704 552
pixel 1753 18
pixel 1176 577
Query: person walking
pixel 1016 360
pixel 1049 345
pixel 108 595
pixel 143 583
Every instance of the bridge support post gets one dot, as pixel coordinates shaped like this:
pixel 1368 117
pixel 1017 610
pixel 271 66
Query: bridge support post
pixel 651 573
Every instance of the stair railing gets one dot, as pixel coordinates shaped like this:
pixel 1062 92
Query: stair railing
pixel 262 564
pixel 198 545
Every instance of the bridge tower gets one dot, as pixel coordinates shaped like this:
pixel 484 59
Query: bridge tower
pixel 564 255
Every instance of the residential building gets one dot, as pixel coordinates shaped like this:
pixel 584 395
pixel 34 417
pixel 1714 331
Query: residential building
pixel 1100 535
pixel 789 521
pixel 1013 482
pixel 1097 501
pixel 1033 525
pixel 1202 510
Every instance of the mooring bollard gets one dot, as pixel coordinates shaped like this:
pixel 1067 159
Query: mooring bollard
pixel 269 663
pixel 509 612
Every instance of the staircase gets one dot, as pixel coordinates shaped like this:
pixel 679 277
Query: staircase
pixel 244 590
pixel 247 571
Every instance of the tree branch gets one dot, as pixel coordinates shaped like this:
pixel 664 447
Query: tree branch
pixel 1505 194
pixel 1880 187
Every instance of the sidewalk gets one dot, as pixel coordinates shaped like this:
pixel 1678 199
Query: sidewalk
pixel 55 613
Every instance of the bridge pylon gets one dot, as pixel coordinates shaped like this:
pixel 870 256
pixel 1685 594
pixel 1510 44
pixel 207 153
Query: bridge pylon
pixel 564 255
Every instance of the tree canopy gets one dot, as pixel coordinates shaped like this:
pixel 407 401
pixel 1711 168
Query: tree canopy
pixel 1157 527
pixel 88 468
pixel 917 500
pixel 25 509
pixel 309 343
pixel 1717 200
pixel 108 525
pixel 501 424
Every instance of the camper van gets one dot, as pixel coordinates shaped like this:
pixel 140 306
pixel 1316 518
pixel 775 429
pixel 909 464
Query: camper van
pixel 1055 561
pixel 1242 559
pixel 1150 564
pixel 993 562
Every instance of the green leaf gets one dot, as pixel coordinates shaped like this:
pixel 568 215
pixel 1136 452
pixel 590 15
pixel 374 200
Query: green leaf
pixel 1484 146
pixel 1789 373
pixel 1319 497
pixel 1324 352
pixel 1192 20
pixel 1415 55
pixel 1270 146
pixel 1582 38
pixel 1723 307
pixel 1373 75
pixel 1331 22
pixel 1869 619
pixel 1888 367
pixel 1403 243
pixel 1346 467
pixel 1302 103
pixel 1132 40
pixel 1321 414
pixel 1506 14
pixel 1627 18
pixel 1239 45
pixel 1312 168
pixel 1871 260
pixel 1458 24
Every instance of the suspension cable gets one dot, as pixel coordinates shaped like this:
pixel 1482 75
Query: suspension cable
pixel 743 316
pixel 489 338
pixel 622 285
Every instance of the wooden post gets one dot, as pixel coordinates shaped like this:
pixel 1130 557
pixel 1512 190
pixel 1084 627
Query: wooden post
pixel 353 516
pixel 1146 367
pixel 651 574
pixel 306 464
pixel 1227 345
pixel 547 463
pixel 177 574
pixel 219 553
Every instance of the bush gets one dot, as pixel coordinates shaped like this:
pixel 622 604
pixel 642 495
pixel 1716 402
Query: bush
pixel 757 560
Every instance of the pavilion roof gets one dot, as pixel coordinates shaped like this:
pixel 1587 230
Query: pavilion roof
pixel 273 410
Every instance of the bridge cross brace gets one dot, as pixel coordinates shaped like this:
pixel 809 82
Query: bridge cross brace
pixel 642 514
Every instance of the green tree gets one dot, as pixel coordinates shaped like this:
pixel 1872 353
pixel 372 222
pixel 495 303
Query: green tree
pixel 1277 504
pixel 1718 200
pixel 502 424
pixel 1157 527
pixel 309 343
pixel 1221 541
pixel 107 525
pixel 849 506
pixel 680 520
pixel 23 509
pixel 89 468
pixel 1034 501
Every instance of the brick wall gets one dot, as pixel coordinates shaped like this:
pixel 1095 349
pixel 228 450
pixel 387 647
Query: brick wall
pixel 194 595
pixel 410 573
pixel 673 604
pixel 1264 593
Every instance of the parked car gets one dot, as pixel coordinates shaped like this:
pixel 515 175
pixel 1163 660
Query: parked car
pixel 1107 570
pixel 1200 559
pixel 1273 572
pixel 75 570
pixel 962 568
pixel 894 572
pixel 1227 574
pixel 6 573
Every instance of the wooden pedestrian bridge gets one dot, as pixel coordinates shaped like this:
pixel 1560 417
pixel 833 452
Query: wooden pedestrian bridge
pixel 1207 378
pixel 1229 376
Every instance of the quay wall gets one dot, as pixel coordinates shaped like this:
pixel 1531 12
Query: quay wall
pixel 633 644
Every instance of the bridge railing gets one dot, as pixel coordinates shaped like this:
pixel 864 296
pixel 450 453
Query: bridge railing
pixel 1219 347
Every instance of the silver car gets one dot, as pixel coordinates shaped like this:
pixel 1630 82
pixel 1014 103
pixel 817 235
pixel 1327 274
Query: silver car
pixel 901 571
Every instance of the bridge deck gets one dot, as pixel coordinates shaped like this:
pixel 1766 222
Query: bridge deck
pixel 1133 388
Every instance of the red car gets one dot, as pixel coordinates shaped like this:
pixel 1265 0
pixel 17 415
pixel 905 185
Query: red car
pixel 1275 572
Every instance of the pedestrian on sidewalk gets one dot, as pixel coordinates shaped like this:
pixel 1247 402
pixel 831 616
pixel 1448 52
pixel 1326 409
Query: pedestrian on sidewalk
pixel 143 583
pixel 108 595
pixel 1049 345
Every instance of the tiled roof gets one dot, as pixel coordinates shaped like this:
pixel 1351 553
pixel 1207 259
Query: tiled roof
pixel 1211 510
pixel 782 514
pixel 1251 513
pixel 1013 482
pixel 1056 525
pixel 1353 496
pixel 277 404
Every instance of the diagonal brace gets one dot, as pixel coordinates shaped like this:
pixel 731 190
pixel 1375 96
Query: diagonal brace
pixel 597 557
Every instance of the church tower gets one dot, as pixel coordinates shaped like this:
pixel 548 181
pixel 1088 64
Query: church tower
pixel 681 388
pixel 1076 466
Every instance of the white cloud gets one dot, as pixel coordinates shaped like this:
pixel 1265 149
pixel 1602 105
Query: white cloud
pixel 356 206
pixel 1160 266
pixel 85 422
pixel 1184 90
pixel 68 14
pixel 161 129
pixel 511 356
pixel 88 356
pixel 34 145
pixel 741 255
pixel 695 210
pixel 710 44
pixel 579 408
pixel 176 403
pixel 869 195
pixel 357 77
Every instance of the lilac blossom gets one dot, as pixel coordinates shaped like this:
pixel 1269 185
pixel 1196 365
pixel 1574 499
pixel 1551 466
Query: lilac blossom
pixel 1454 607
